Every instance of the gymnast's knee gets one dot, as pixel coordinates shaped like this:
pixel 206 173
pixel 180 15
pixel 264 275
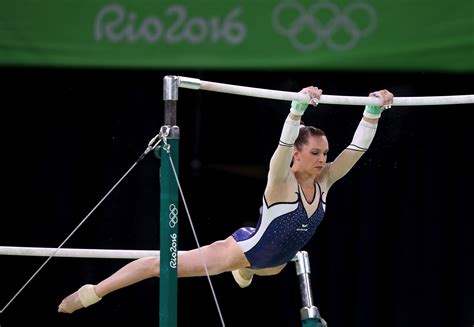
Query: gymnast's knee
pixel 228 254
pixel 152 265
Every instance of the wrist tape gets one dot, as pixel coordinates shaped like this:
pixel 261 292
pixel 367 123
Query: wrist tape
pixel 373 112
pixel 290 132
pixel 363 136
pixel 298 108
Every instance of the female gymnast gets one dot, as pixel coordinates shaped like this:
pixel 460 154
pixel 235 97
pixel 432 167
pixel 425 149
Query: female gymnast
pixel 294 200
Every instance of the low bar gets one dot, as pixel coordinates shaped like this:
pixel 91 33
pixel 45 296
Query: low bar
pixel 77 253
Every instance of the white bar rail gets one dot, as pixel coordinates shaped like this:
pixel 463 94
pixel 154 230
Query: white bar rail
pixel 197 84
pixel 77 253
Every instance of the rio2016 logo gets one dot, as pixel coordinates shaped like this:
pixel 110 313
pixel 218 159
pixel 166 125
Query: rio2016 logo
pixel 324 23
pixel 172 222
pixel 174 250
pixel 115 23
pixel 337 27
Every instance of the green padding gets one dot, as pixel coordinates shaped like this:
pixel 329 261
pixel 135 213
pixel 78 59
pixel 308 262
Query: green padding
pixel 169 235
pixel 299 107
pixel 313 322
pixel 374 110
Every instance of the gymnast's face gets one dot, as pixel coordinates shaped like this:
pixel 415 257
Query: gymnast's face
pixel 311 157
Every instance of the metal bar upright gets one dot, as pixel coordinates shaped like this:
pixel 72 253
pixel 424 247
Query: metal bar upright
pixel 169 206
pixel 309 312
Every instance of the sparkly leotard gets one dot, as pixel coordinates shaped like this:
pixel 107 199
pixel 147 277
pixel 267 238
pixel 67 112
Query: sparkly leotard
pixel 284 227
pixel 282 230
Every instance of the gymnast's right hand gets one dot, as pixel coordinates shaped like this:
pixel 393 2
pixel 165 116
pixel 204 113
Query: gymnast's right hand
pixel 314 95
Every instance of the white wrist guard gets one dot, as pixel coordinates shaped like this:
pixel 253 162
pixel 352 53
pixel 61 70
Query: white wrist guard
pixel 290 132
pixel 363 136
pixel 87 295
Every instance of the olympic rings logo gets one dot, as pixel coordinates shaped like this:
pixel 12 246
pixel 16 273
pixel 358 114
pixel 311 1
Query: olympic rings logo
pixel 340 32
pixel 173 216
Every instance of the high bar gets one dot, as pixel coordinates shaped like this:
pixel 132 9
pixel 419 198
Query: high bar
pixel 77 253
pixel 197 84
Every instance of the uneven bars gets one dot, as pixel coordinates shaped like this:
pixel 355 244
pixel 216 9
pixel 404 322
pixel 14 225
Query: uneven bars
pixel 77 253
pixel 197 84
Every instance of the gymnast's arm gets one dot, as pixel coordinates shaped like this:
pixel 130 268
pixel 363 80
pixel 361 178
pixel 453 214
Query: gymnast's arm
pixel 362 139
pixel 281 160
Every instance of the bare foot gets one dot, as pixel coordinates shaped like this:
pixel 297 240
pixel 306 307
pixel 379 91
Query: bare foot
pixel 70 304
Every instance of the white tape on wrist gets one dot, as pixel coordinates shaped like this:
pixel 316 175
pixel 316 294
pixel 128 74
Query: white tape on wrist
pixel 290 132
pixel 371 115
pixel 298 108
pixel 363 136
pixel 87 295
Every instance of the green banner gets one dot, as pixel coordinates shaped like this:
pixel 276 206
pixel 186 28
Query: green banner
pixel 422 35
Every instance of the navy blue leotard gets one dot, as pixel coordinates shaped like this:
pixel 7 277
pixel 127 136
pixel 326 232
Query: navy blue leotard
pixel 282 230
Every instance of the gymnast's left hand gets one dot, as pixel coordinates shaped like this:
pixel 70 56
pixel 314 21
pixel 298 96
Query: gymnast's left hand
pixel 386 97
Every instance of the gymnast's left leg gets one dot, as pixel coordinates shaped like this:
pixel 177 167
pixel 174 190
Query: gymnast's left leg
pixel 219 257
pixel 243 276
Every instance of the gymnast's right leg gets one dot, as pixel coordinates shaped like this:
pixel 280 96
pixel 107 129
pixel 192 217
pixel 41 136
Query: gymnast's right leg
pixel 129 274
pixel 219 257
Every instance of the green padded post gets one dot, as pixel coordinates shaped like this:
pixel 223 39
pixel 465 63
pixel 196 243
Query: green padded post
pixel 168 236
pixel 169 207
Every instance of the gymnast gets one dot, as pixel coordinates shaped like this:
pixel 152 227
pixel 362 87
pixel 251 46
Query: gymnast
pixel 294 200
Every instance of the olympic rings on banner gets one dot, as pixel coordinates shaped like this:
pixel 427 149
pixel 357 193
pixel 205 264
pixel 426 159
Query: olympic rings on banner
pixel 305 20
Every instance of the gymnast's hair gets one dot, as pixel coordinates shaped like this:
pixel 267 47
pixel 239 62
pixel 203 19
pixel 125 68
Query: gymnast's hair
pixel 305 133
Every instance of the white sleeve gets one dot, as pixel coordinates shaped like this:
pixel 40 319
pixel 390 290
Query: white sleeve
pixel 363 136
